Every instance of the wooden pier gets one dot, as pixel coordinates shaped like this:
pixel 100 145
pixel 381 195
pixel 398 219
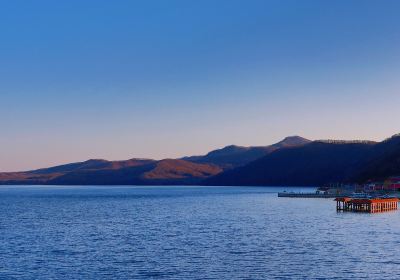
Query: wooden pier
pixel 368 205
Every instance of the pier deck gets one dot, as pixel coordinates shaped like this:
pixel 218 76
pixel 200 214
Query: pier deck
pixel 368 205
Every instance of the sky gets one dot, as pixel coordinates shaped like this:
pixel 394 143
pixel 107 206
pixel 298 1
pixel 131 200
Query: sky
pixel 164 79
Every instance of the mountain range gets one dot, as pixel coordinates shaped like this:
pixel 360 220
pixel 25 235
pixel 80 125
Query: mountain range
pixel 235 156
pixel 294 161
pixel 188 170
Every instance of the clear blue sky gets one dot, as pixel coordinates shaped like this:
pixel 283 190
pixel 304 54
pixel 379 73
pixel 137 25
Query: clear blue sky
pixel 121 79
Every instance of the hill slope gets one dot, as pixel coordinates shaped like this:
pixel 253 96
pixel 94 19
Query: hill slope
pixel 235 156
pixel 382 163
pixel 102 172
pixel 316 163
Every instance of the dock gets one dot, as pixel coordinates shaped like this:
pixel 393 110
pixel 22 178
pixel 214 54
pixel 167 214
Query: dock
pixel 307 195
pixel 367 205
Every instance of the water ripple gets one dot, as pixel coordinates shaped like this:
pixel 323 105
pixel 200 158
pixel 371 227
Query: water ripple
pixel 189 233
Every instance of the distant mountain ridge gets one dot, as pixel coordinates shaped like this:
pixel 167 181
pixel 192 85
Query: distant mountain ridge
pixel 314 164
pixel 102 172
pixel 189 170
pixel 294 161
pixel 163 172
pixel 235 156
pixel 92 164
pixel 318 163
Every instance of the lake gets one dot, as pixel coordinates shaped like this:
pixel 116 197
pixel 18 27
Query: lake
pixel 189 233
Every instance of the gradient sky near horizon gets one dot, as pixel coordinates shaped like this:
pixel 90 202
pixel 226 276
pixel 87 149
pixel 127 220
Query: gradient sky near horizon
pixel 157 79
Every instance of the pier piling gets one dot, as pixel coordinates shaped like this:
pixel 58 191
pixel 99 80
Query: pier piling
pixel 369 205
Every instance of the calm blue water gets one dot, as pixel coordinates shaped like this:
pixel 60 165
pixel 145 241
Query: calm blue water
pixel 189 233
